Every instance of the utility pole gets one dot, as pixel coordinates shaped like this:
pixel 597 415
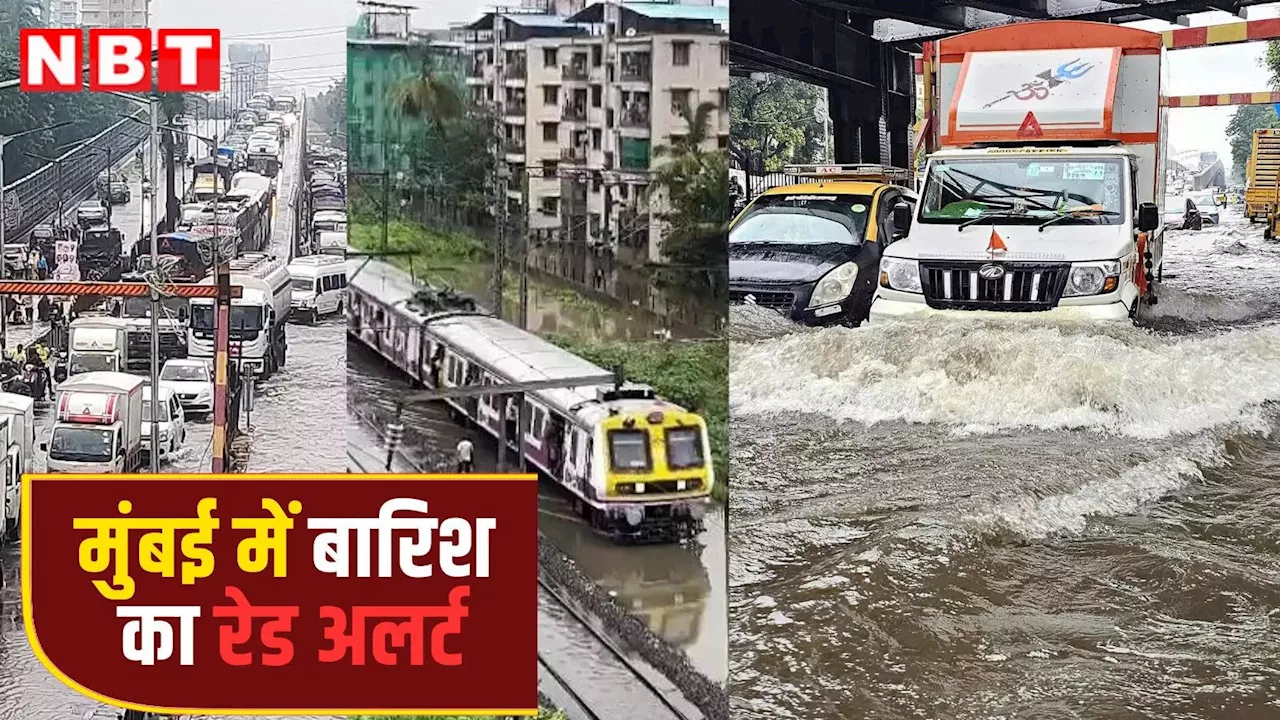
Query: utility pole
pixel 221 338
pixel 386 181
pixel 155 292
pixel 501 171
pixel 524 252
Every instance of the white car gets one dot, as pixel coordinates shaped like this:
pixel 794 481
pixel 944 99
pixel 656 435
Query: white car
pixel 191 381
pixel 168 414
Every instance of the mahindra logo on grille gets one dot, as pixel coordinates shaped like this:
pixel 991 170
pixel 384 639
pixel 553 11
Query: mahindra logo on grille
pixel 991 272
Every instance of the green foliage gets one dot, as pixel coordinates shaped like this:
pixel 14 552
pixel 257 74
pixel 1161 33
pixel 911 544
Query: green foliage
pixel 329 110
pixel 696 184
pixel 774 122
pixel 87 113
pixel 693 375
pixel 1248 118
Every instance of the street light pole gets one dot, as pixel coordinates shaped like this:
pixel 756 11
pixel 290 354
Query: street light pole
pixel 155 291
pixel 4 220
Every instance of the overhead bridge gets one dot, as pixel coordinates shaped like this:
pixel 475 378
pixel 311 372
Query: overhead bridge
pixel 864 52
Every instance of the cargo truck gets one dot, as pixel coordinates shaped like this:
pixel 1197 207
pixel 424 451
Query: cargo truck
pixel 1263 175
pixel 98 427
pixel 1039 195
pixel 99 344
pixel 18 414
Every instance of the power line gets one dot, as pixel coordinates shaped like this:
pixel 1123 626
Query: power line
pixel 285 34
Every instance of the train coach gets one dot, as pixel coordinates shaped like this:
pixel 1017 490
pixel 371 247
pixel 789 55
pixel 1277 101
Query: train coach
pixel 638 467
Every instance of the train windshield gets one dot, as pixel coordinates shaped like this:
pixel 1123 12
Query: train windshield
pixel 684 448
pixel 629 450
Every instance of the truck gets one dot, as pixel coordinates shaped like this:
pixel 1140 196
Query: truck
pixel 98 344
pixel 1056 154
pixel 18 414
pixel 211 176
pixel 172 323
pixel 1262 193
pixel 258 317
pixel 98 253
pixel 98 426
pixel 264 158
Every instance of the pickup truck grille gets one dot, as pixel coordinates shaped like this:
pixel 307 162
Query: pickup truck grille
pixel 1024 287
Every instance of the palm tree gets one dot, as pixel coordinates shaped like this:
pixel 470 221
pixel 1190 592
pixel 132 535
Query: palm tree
pixel 696 184
pixel 430 97
pixel 171 106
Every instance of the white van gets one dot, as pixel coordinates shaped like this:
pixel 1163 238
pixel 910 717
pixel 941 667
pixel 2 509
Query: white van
pixel 318 283
pixel 168 412
pixel 331 242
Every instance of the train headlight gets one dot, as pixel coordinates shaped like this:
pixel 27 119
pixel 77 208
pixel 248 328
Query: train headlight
pixel 634 515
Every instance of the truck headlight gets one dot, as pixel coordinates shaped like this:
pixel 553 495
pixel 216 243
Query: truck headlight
pixel 1095 278
pixel 900 274
pixel 834 286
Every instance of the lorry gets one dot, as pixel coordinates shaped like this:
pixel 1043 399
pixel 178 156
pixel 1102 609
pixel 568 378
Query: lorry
pixel 172 323
pixel 98 253
pixel 257 320
pixel 1056 154
pixel 211 176
pixel 98 425
pixel 98 344
pixel 18 414
pixel 1262 175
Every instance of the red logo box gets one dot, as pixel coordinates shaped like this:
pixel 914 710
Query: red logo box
pixel 119 59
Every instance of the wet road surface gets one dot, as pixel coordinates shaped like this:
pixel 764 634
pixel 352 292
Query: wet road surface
pixel 678 590
pixel 299 407
pixel 1015 520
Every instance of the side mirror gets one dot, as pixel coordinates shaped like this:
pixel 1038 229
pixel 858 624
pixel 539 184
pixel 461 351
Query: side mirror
pixel 1148 217
pixel 901 220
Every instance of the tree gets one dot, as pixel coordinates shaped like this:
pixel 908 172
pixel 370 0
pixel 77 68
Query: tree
pixel 695 182
pixel 431 97
pixel 774 123
pixel 329 110
pixel 1248 118
pixel 171 106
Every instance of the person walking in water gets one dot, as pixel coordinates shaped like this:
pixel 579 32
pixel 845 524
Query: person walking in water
pixel 465 449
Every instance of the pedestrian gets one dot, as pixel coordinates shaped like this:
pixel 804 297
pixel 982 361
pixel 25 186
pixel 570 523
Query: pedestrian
pixel 34 261
pixel 19 353
pixel 29 309
pixel 44 308
pixel 42 267
pixel 465 450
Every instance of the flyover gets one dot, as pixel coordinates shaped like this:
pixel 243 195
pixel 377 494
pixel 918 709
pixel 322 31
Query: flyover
pixel 862 52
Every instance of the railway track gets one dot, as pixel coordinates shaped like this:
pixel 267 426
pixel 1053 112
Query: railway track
pixel 579 666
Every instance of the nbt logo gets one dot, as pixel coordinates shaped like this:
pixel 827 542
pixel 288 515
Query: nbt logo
pixel 119 60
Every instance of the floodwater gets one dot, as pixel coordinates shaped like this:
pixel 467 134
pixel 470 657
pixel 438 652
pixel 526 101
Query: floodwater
pixel 987 519
pixel 300 406
pixel 679 590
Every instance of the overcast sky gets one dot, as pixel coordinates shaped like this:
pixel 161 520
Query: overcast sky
pixel 307 37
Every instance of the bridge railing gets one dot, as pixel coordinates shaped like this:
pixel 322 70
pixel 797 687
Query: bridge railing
pixel 34 197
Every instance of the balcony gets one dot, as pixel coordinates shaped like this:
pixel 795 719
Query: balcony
pixel 574 71
pixel 575 155
pixel 635 68
pixel 635 116
pixel 475 70
pixel 574 112
pixel 514 146
pixel 516 70
pixel 514 107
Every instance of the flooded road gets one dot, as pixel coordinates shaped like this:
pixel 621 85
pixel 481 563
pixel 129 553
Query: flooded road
pixel 984 519
pixel 679 591
pixel 299 407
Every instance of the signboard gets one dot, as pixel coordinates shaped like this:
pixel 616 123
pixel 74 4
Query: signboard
pixel 65 266
pixel 1062 90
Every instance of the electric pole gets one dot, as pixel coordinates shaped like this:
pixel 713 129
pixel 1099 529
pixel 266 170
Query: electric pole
pixel 501 171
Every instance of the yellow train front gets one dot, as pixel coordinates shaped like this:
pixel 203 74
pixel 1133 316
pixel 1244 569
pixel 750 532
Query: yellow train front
pixel 651 472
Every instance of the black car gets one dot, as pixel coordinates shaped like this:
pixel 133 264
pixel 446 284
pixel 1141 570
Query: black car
pixel 810 254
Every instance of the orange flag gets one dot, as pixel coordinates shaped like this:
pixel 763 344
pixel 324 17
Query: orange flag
pixel 996 244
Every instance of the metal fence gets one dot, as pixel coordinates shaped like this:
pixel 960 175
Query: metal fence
pixel 33 198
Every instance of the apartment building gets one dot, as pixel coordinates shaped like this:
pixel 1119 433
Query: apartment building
pixel 114 13
pixel 586 97
pixel 60 13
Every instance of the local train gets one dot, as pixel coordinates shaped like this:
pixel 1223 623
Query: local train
pixel 639 468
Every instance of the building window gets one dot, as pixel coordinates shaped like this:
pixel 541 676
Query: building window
pixel 550 94
pixel 679 101
pixel 597 95
pixel 724 54
pixel 550 132
pixel 722 141
pixel 595 138
pixel 549 57
pixel 680 53
pixel 368 88
pixel 724 99
pixel 597 55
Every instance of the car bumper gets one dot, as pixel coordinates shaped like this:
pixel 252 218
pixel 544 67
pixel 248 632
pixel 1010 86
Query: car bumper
pixel 796 309
pixel 887 309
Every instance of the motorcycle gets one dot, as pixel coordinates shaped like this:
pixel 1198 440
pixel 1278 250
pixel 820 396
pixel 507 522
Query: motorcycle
pixel 11 379
pixel 60 369
pixel 36 380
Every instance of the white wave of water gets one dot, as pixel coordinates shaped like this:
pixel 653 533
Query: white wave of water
pixel 985 376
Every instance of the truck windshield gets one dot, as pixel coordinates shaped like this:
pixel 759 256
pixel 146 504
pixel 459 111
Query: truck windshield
pixel 963 189
pixel 81 444
pixel 91 362
pixel 247 317
pixel 804 220
pixel 140 307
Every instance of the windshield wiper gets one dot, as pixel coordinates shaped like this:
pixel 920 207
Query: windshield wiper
pixel 990 215
pixel 1082 212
